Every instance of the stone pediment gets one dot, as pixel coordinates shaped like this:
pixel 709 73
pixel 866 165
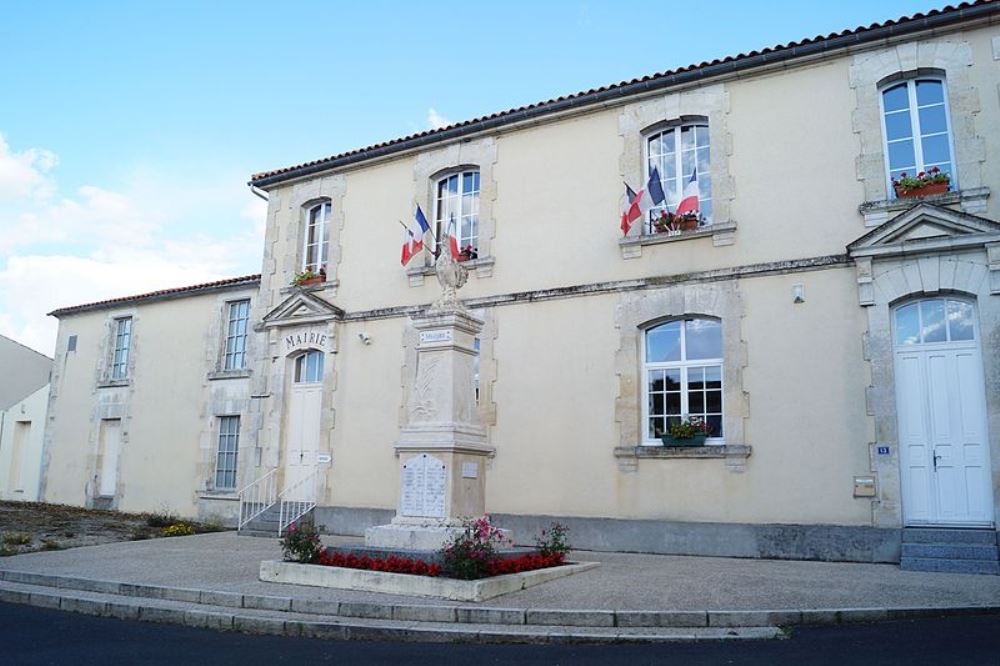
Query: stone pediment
pixel 302 307
pixel 926 228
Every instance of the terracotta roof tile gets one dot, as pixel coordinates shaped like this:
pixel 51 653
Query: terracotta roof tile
pixel 457 129
pixel 162 293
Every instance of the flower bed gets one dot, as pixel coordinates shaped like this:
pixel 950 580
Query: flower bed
pixel 390 564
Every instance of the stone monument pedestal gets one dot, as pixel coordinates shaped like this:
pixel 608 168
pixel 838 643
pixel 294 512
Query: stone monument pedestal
pixel 442 449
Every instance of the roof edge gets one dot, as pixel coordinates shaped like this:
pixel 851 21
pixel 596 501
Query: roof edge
pixel 893 28
pixel 161 295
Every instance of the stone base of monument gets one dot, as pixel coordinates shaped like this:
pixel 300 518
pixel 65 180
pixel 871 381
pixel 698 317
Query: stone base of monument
pixel 272 571
pixel 403 534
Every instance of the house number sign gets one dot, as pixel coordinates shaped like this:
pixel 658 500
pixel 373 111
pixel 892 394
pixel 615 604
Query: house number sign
pixel 424 484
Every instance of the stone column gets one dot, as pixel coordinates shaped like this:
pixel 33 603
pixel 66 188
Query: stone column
pixel 442 449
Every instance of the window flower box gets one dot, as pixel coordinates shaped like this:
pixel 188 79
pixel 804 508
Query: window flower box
pixel 694 440
pixel 308 277
pixel 924 184
pixel 669 223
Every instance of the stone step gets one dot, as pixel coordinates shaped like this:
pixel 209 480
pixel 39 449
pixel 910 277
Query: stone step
pixel 949 535
pixel 951 551
pixel 260 621
pixel 991 567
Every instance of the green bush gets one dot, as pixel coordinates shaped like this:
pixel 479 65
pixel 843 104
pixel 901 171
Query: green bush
pixel 301 544
pixel 471 553
pixel 162 519
pixel 178 529
pixel 17 538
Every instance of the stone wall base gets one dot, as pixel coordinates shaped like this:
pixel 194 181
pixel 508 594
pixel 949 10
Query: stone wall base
pixel 830 543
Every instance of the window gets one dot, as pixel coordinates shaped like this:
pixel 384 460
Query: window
pixel 123 336
pixel 457 201
pixel 678 153
pixel 229 444
pixel 934 320
pixel 236 335
pixel 309 368
pixel 916 127
pixel 317 238
pixel 682 363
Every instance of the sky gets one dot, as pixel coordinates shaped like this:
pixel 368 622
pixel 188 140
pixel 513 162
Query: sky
pixel 128 130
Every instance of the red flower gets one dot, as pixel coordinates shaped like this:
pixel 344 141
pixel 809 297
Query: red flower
pixel 921 174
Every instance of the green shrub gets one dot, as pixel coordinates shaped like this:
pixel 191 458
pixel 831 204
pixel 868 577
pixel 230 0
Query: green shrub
pixel 552 542
pixel 301 544
pixel 17 538
pixel 471 554
pixel 51 544
pixel 163 519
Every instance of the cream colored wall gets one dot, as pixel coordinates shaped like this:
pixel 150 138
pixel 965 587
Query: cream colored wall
pixel 985 77
pixel 31 409
pixel 163 408
pixel 24 371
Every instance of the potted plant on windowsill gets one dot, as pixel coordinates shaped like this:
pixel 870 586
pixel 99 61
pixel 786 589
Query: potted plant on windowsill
pixel 468 252
pixel 308 277
pixel 686 432
pixel 925 183
pixel 671 223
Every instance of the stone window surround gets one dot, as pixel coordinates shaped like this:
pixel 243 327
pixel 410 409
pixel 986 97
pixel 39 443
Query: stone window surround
pixel 432 165
pixel 948 58
pixel 218 340
pixel 105 358
pixel 237 408
pixel 640 119
pixel 295 205
pixel 634 314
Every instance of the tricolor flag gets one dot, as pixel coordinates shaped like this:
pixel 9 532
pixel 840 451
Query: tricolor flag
pixel 639 205
pixel 422 221
pixel 689 200
pixel 411 245
pixel 452 238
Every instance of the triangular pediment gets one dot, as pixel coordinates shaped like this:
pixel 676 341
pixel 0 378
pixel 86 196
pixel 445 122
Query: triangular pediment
pixel 302 307
pixel 926 228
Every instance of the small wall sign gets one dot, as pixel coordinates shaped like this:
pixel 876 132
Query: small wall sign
pixel 443 335
pixel 323 457
pixel 883 450
pixel 470 470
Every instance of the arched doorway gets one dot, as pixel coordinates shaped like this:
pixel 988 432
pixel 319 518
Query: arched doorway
pixel 302 416
pixel 941 412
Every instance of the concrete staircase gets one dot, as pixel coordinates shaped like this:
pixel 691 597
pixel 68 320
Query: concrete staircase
pixel 266 524
pixel 950 551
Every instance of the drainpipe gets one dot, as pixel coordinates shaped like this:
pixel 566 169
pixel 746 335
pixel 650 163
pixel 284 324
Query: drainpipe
pixel 258 192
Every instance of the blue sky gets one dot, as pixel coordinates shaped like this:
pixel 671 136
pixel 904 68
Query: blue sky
pixel 128 129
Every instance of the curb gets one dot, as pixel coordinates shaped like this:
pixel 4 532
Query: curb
pixel 485 615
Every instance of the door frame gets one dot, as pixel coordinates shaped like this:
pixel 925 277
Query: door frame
pixel 925 350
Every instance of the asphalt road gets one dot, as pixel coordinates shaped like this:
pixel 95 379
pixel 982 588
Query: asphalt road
pixel 31 635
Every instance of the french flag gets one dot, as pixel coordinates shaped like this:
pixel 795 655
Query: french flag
pixel 422 221
pixel 411 245
pixel 452 239
pixel 639 205
pixel 689 200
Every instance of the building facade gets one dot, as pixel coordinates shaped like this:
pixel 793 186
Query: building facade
pixel 838 339
pixel 23 398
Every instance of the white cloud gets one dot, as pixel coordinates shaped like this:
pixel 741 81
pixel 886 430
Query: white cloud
pixel 436 120
pixel 95 243
pixel 25 174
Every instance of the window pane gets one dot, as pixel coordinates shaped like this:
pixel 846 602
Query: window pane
pixel 687 138
pixel 696 403
pixel 714 426
pixel 901 155
pixel 960 320
pixel 932 119
pixel 703 161
pixel 897 126
pixel 713 401
pixel 672 404
pixel 895 98
pixel 687 163
pixel 656 404
pixel 696 379
pixel 703 338
pixel 713 377
pixel 936 149
pixel 663 343
pixel 929 92
pixel 907 325
pixel 933 324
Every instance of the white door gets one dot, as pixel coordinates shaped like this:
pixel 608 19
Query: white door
pixel 22 435
pixel 941 407
pixel 302 424
pixel 111 444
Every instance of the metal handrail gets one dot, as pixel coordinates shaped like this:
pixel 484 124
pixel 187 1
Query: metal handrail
pixel 293 509
pixel 258 497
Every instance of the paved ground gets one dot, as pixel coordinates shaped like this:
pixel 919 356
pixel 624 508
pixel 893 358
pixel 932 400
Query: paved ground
pixel 38 636
pixel 230 563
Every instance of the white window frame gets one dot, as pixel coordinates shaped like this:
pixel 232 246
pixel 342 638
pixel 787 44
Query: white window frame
pixel 235 355
pixel 227 435
pixel 916 136
pixel 678 162
pixel 441 225
pixel 121 344
pixel 300 368
pixel 323 230
pixel 683 365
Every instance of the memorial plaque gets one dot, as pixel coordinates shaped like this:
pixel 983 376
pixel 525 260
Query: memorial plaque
pixel 443 335
pixel 470 470
pixel 424 486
